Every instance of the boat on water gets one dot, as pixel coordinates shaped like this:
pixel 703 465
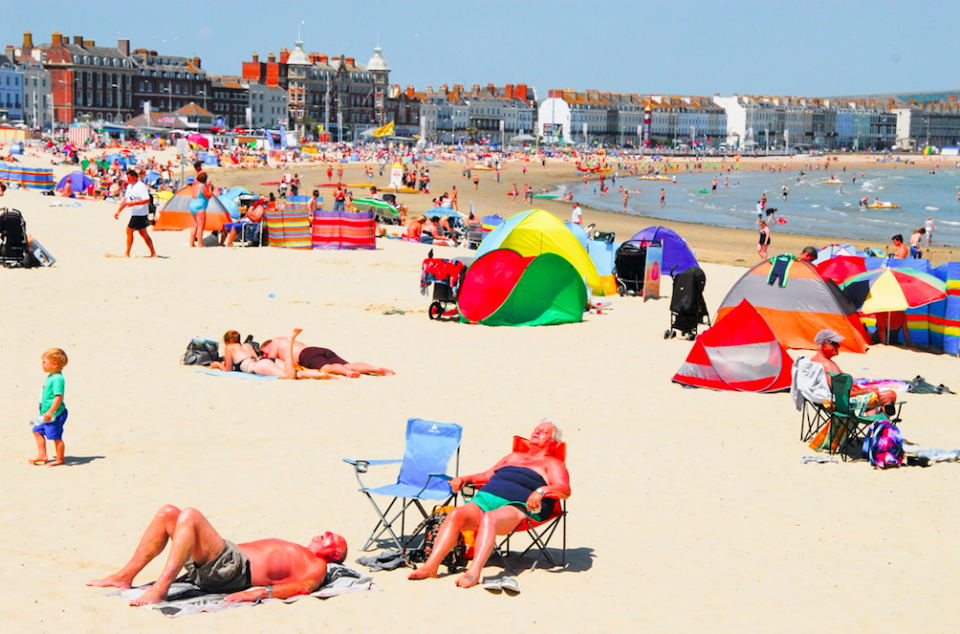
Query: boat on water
pixel 654 178
pixel 882 206
pixel 832 181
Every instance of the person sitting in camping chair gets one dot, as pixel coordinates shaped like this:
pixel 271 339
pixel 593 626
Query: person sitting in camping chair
pixel 865 400
pixel 517 487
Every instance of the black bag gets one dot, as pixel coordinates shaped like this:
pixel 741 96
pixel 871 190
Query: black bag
pixel 455 560
pixel 151 210
pixel 201 352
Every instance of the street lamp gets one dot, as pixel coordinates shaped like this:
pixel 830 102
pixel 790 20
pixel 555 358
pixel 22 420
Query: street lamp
pixel 117 86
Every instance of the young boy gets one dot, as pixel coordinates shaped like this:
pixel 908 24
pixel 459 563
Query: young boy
pixel 52 409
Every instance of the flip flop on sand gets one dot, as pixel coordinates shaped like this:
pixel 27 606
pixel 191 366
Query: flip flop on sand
pixel 510 586
pixel 495 586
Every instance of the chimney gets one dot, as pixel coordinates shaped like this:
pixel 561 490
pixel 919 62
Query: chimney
pixel 256 58
pixel 196 62
pixel 284 55
pixel 89 44
pixel 429 90
pixel 351 62
pixel 27 43
pixel 56 39
pixel 508 91
pixel 124 46
pixel 444 89
pixel 474 89
pixel 410 92
pixel 271 58
pixel 323 59
pixel 78 40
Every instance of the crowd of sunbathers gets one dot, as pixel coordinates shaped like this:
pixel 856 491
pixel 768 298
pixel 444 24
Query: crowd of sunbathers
pixel 287 358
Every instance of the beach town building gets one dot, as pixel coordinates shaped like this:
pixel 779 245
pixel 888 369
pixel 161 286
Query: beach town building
pixel 403 108
pixel 928 124
pixel 229 99
pixel 444 115
pixel 88 81
pixel 188 119
pixel 36 98
pixel 266 106
pixel 168 82
pixel 345 97
pixel 11 90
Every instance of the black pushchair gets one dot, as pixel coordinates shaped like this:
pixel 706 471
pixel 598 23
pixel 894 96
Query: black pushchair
pixel 446 277
pixel 630 264
pixel 13 239
pixel 687 308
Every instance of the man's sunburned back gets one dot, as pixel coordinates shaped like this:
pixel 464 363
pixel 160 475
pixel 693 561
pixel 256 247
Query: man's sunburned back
pixel 828 364
pixel 278 348
pixel 276 561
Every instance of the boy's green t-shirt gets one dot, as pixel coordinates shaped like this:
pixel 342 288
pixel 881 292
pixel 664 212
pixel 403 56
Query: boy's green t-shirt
pixel 52 388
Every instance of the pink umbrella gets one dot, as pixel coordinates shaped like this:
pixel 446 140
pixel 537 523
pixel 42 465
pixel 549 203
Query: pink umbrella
pixel 200 140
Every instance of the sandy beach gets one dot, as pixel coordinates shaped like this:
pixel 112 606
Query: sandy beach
pixel 691 510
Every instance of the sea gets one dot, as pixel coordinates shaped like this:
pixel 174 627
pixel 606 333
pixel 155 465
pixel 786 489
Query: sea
pixel 812 207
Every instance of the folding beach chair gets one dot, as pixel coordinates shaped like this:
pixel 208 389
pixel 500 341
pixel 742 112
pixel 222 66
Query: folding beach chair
pixel 540 533
pixel 844 432
pixel 430 446
pixel 813 417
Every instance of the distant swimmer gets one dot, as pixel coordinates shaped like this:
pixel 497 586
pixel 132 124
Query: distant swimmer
pixel 726 181
pixel 863 201
pixel 854 179
pixel 840 189
pixel 714 186
pixel 663 197
pixel 785 192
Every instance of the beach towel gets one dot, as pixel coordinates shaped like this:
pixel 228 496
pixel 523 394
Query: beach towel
pixel 185 599
pixel 809 383
pixel 237 375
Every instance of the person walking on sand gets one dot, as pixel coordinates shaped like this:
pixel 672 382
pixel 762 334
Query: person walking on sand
pixel 53 412
pixel 513 194
pixel 453 198
pixel 576 216
pixel 928 227
pixel 764 241
pixel 137 198
pixel 626 199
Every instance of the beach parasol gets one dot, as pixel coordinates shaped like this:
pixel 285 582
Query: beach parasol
pixel 893 290
pixel 377 204
pixel 842 267
pixel 833 250
pixel 443 211
pixel 200 140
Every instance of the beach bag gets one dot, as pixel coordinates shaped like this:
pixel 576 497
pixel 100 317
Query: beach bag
pixel 455 560
pixel 883 445
pixel 151 210
pixel 201 351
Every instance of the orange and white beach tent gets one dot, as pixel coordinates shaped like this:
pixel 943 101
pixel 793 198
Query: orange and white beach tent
pixel 797 305
pixel 176 216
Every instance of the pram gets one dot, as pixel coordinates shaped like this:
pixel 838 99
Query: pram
pixel 687 308
pixel 629 266
pixel 13 239
pixel 446 277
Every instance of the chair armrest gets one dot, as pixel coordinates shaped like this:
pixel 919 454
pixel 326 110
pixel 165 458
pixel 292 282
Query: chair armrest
pixel 360 466
pixel 441 476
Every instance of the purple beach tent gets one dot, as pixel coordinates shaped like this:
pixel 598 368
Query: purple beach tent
pixel 677 256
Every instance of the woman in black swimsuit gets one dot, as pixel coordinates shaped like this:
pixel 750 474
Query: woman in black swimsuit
pixel 514 489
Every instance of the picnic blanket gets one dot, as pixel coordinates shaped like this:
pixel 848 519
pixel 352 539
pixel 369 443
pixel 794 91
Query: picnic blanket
pixel 237 375
pixel 185 598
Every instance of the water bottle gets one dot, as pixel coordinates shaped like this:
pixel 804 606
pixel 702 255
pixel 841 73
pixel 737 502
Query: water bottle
pixel 37 421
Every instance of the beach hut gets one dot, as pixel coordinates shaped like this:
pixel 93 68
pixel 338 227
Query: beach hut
pixel 740 353
pixel 176 216
pixel 503 288
pixel 537 231
pixel 797 304
pixel 676 253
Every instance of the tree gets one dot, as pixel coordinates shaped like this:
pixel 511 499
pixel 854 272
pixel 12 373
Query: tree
pixel 309 125
pixel 472 131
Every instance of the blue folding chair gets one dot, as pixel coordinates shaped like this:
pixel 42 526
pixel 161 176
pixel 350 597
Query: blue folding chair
pixel 422 475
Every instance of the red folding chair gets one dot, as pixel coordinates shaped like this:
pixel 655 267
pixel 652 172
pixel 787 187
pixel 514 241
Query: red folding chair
pixel 540 533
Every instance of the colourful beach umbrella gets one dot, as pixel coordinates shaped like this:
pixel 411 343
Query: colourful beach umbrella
pixel 891 290
pixel 842 267
pixel 376 203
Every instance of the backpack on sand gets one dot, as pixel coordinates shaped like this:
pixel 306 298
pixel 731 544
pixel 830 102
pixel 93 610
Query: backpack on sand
pixel 883 445
pixel 455 560
pixel 201 351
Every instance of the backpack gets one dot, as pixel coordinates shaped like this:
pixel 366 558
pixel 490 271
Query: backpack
pixel 151 210
pixel 201 351
pixel 455 560
pixel 883 445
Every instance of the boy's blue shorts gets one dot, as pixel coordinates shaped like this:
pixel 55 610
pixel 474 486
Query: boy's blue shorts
pixel 54 429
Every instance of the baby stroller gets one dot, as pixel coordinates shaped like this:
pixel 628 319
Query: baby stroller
pixel 446 277
pixel 687 308
pixel 630 264
pixel 13 239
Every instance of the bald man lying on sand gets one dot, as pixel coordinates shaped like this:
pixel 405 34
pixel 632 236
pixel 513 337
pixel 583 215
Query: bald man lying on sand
pixel 318 359
pixel 282 568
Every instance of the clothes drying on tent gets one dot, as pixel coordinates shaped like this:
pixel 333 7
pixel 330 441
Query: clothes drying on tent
pixel 799 310
pixel 503 288
pixel 739 353
pixel 176 216
pixel 677 256
pixel 537 231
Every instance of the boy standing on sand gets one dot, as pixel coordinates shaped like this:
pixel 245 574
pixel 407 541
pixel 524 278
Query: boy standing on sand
pixel 52 410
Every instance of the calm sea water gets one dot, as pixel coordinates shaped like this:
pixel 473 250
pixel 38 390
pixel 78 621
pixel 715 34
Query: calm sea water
pixel 812 207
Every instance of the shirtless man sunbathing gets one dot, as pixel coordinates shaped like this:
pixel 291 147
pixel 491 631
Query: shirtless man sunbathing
pixel 242 357
pixel 264 569
pixel 313 359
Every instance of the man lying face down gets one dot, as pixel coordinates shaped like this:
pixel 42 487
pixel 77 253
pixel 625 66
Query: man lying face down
pixel 280 568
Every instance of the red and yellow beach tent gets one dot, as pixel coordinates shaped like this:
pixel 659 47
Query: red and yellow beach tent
pixel 739 353
pixel 176 216
pixel 797 306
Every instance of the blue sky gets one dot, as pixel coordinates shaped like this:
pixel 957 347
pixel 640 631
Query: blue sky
pixel 799 47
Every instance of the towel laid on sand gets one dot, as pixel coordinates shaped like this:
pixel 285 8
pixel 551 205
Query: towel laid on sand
pixel 184 598
pixel 237 375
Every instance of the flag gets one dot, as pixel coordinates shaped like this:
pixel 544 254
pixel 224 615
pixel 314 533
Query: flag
pixel 219 123
pixel 386 130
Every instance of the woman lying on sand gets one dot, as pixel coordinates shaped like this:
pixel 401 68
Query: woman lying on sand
pixel 242 357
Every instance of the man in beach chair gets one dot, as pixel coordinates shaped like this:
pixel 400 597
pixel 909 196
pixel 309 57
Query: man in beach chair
pixel 523 487
pixel 430 446
pixel 263 569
